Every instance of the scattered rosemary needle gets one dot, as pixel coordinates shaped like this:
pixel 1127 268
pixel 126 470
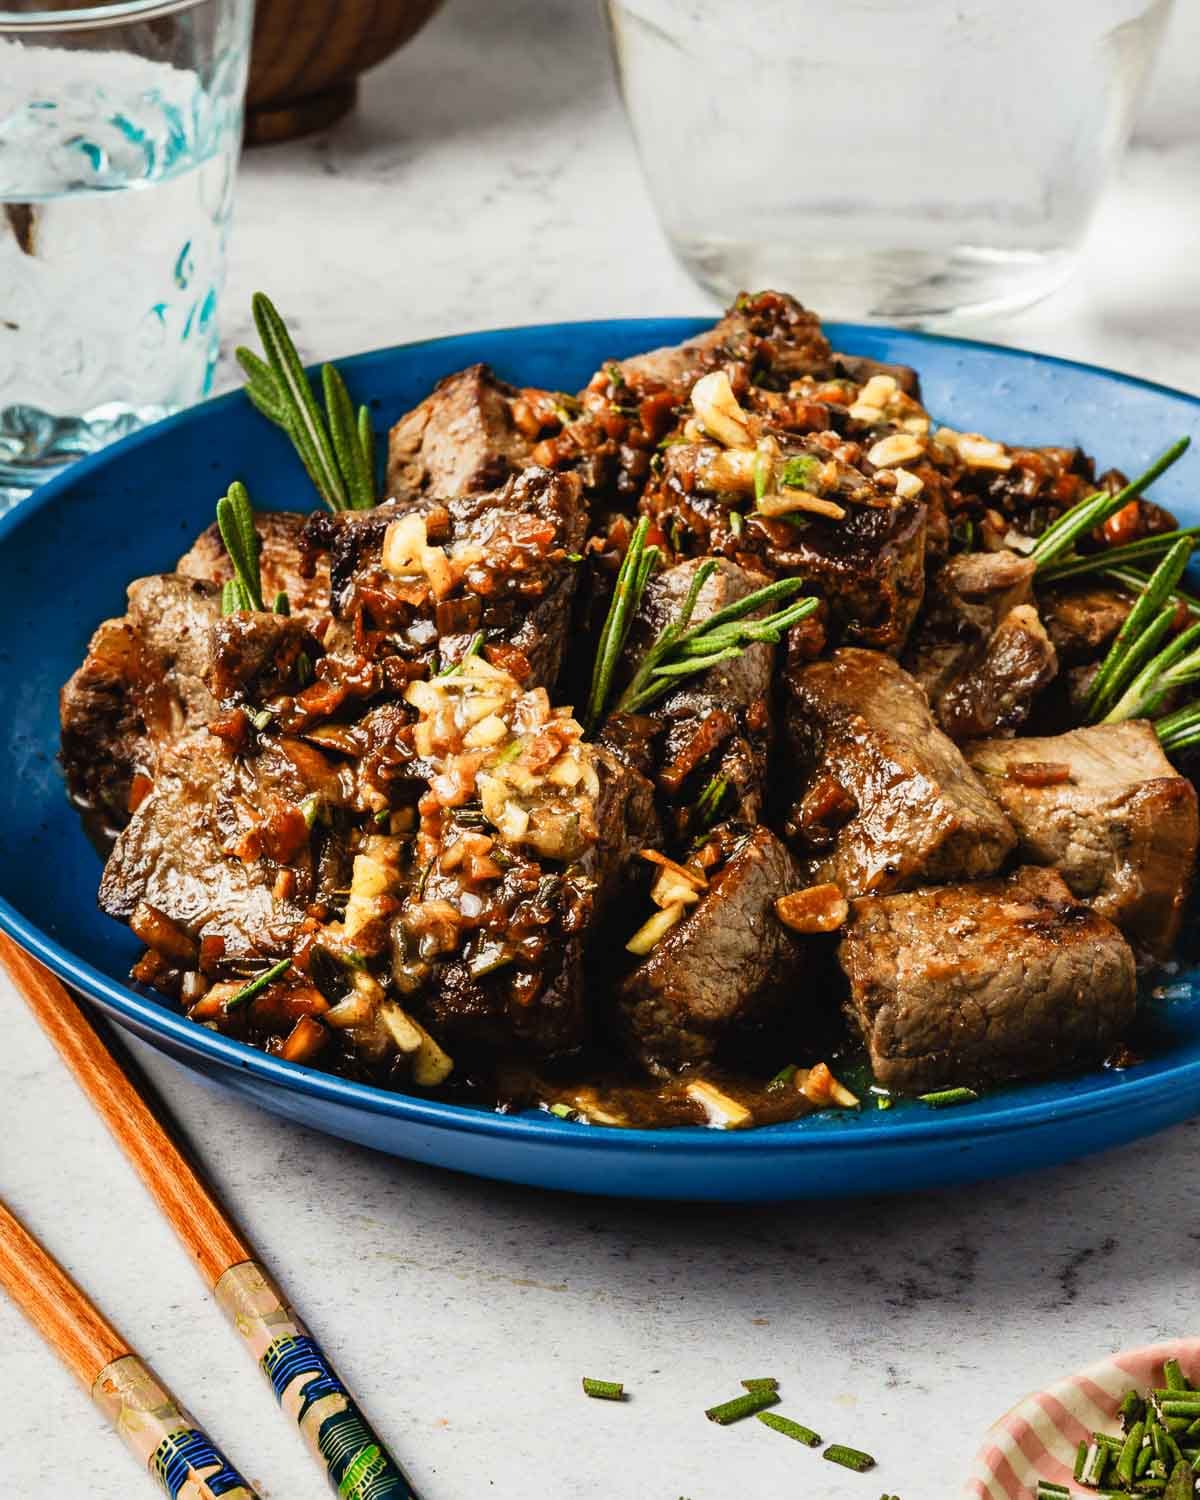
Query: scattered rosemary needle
pixel 762 1383
pixel 632 576
pixel 337 446
pixel 1145 549
pixel 944 1098
pixel 258 984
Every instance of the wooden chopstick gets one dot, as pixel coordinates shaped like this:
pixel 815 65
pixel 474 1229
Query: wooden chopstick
pixel 156 1429
pixel 352 1457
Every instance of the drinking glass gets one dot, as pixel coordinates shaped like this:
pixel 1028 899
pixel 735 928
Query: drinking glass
pixel 120 125
pixel 894 159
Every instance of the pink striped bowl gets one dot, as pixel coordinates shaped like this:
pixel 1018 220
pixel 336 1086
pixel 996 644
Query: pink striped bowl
pixel 1039 1437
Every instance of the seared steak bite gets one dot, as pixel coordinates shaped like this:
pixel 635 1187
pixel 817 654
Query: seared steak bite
pixel 1082 619
pixel 283 562
pixel 526 833
pixel 979 650
pixel 422 579
pixel 461 439
pixel 981 983
pixel 788 506
pixel 727 966
pixel 884 800
pixel 141 684
pixel 715 728
pixel 1105 807
pixel 206 844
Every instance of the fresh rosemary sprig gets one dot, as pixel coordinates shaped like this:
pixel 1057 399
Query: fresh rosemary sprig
pixel 1094 510
pixel 1132 653
pixel 336 447
pixel 680 652
pixel 636 567
pixel 1145 549
pixel 235 522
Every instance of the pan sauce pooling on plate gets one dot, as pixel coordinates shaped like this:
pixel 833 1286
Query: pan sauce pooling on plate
pixel 409 832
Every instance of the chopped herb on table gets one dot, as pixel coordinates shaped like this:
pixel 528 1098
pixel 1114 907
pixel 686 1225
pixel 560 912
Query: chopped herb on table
pixel 603 1390
pixel 849 1458
pixel 794 1430
pixel 740 1407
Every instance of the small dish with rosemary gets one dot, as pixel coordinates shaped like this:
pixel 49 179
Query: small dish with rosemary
pixel 721 742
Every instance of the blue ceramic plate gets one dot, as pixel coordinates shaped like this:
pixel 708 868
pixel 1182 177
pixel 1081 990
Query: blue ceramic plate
pixel 66 556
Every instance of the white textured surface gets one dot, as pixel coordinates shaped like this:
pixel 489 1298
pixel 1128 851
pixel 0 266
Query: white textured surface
pixel 486 180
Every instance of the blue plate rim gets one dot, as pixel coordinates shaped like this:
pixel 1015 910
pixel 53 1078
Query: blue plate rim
pixel 529 1126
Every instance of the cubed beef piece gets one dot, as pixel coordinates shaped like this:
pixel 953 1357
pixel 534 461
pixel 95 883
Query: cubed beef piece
pixel 526 835
pixel 206 845
pixel 1105 807
pixel 282 560
pixel 461 439
pixel 769 332
pixel 966 984
pixel 868 563
pixel 728 965
pixel 143 681
pixel 979 650
pixel 886 799
pixel 715 728
pixel 503 564
pixel 1082 619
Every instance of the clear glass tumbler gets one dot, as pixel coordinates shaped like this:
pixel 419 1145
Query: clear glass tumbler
pixel 894 159
pixel 120 126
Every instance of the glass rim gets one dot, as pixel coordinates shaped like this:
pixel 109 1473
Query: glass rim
pixel 87 18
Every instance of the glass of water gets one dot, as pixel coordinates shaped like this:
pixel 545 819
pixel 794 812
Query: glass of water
pixel 120 126
pixel 896 159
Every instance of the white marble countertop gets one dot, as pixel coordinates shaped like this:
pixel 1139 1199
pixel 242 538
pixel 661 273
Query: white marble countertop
pixel 488 179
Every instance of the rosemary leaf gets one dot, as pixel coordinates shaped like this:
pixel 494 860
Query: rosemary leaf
pixel 258 984
pixel 343 430
pixel 1112 676
pixel 1174 666
pixel 632 576
pixel 305 423
pixel 1094 510
pixel 366 441
pixel 235 521
pixel 231 597
pixel 1145 549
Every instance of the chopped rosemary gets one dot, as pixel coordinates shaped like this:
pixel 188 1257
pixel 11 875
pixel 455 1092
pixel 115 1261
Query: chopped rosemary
pixel 282 605
pixel 562 1111
pixel 849 1458
pixel 748 1405
pixel 943 1098
pixel 1094 510
pixel 474 647
pixel 797 473
pixel 258 984
pixel 762 1383
pixel 794 1430
pixel 235 522
pixel 783 1077
pixel 336 447
pixel 604 1390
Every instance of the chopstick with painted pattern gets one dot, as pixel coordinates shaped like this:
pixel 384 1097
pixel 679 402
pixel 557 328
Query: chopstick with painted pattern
pixel 306 1386
pixel 158 1431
